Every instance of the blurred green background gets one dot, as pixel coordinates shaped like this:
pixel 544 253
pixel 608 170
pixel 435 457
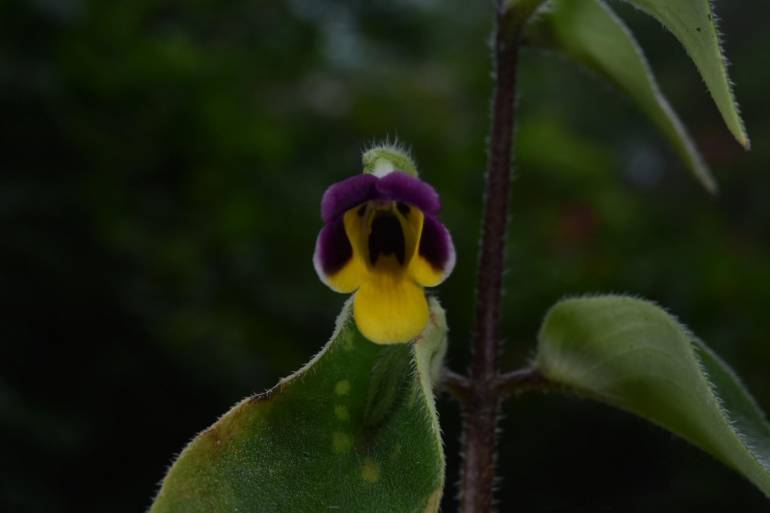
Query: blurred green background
pixel 162 166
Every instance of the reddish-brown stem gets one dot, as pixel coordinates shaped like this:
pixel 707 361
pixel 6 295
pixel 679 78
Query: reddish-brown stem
pixel 482 405
pixel 456 384
pixel 522 380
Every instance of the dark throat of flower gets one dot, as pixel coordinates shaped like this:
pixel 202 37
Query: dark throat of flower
pixel 386 237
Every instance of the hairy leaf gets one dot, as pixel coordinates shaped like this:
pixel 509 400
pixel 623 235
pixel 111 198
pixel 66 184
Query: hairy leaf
pixel 590 33
pixel 631 354
pixel 693 23
pixel 353 430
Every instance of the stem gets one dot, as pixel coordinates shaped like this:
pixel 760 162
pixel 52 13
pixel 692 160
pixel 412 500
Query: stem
pixel 522 380
pixel 457 385
pixel 482 408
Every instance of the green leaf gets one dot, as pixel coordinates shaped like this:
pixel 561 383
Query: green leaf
pixel 693 23
pixel 353 430
pixel 590 33
pixel 631 354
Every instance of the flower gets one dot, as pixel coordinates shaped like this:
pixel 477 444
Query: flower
pixel 382 239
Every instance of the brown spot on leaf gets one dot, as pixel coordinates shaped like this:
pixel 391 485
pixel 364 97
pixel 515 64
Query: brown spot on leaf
pixel 238 419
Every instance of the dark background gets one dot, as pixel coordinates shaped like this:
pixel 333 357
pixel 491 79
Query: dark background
pixel 162 166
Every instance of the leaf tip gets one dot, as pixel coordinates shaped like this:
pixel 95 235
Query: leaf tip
pixel 744 140
pixel 710 185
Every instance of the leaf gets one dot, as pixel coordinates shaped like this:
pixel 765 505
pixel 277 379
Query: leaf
pixel 631 354
pixel 354 430
pixel 693 23
pixel 590 33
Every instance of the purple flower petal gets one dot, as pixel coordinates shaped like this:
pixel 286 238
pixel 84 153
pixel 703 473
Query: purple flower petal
pixel 332 249
pixel 399 186
pixel 436 245
pixel 346 194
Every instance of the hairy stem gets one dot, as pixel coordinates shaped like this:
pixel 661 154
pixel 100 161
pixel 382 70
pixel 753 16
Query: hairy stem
pixel 456 384
pixel 482 405
pixel 523 380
